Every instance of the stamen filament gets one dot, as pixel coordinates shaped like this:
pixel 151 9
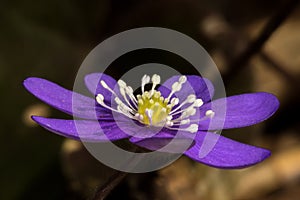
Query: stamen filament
pixel 107 87
pixel 192 128
pixel 122 91
pixel 145 80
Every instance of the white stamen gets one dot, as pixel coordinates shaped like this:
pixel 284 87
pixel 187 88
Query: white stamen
pixel 155 81
pixel 174 101
pixel 182 79
pixel 185 121
pixel 177 86
pixel 190 99
pixel 209 113
pixel 169 124
pixel 155 108
pixel 126 93
pixel 145 80
pixel 188 112
pixel 122 83
pixel 107 87
pixel 129 92
pixel 123 105
pixel 125 112
pixel 169 117
pixel 198 103
pixel 192 128
pixel 100 100
pixel 104 84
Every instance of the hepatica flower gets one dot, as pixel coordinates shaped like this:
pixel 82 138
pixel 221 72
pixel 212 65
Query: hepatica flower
pixel 182 104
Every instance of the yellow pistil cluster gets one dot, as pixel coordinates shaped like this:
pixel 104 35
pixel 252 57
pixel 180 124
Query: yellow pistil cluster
pixel 153 109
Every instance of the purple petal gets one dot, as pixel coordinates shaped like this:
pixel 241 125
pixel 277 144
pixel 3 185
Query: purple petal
pixel 85 130
pixel 177 144
pixel 241 110
pixel 217 151
pixel 197 85
pixel 62 99
pixel 93 84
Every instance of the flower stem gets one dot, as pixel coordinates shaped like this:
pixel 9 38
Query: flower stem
pixel 107 187
pixel 271 26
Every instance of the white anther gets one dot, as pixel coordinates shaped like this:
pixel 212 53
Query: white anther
pixel 118 100
pixel 124 106
pixel 209 113
pixel 198 103
pixel 122 91
pixel 107 87
pixel 139 117
pixel 124 111
pixel 129 90
pixel 100 98
pixel 169 118
pixel 191 112
pixel 176 87
pixel 191 98
pixel 174 101
pixel 192 128
pixel 145 80
pixel 155 79
pixel 182 79
pixel 169 123
pixel 188 112
pixel 185 121
pixel 121 83
pixel 104 84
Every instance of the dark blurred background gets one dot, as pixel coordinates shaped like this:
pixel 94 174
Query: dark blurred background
pixel 255 44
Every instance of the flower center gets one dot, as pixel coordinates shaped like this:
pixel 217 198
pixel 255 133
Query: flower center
pixel 152 109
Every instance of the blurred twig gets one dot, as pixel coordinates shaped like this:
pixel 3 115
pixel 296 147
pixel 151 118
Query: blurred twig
pixel 280 68
pixel 216 28
pixel 275 21
pixel 111 183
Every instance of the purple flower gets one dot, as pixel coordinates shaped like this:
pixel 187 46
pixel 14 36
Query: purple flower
pixel 181 105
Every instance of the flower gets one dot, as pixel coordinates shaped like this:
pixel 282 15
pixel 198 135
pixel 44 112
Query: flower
pixel 181 104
